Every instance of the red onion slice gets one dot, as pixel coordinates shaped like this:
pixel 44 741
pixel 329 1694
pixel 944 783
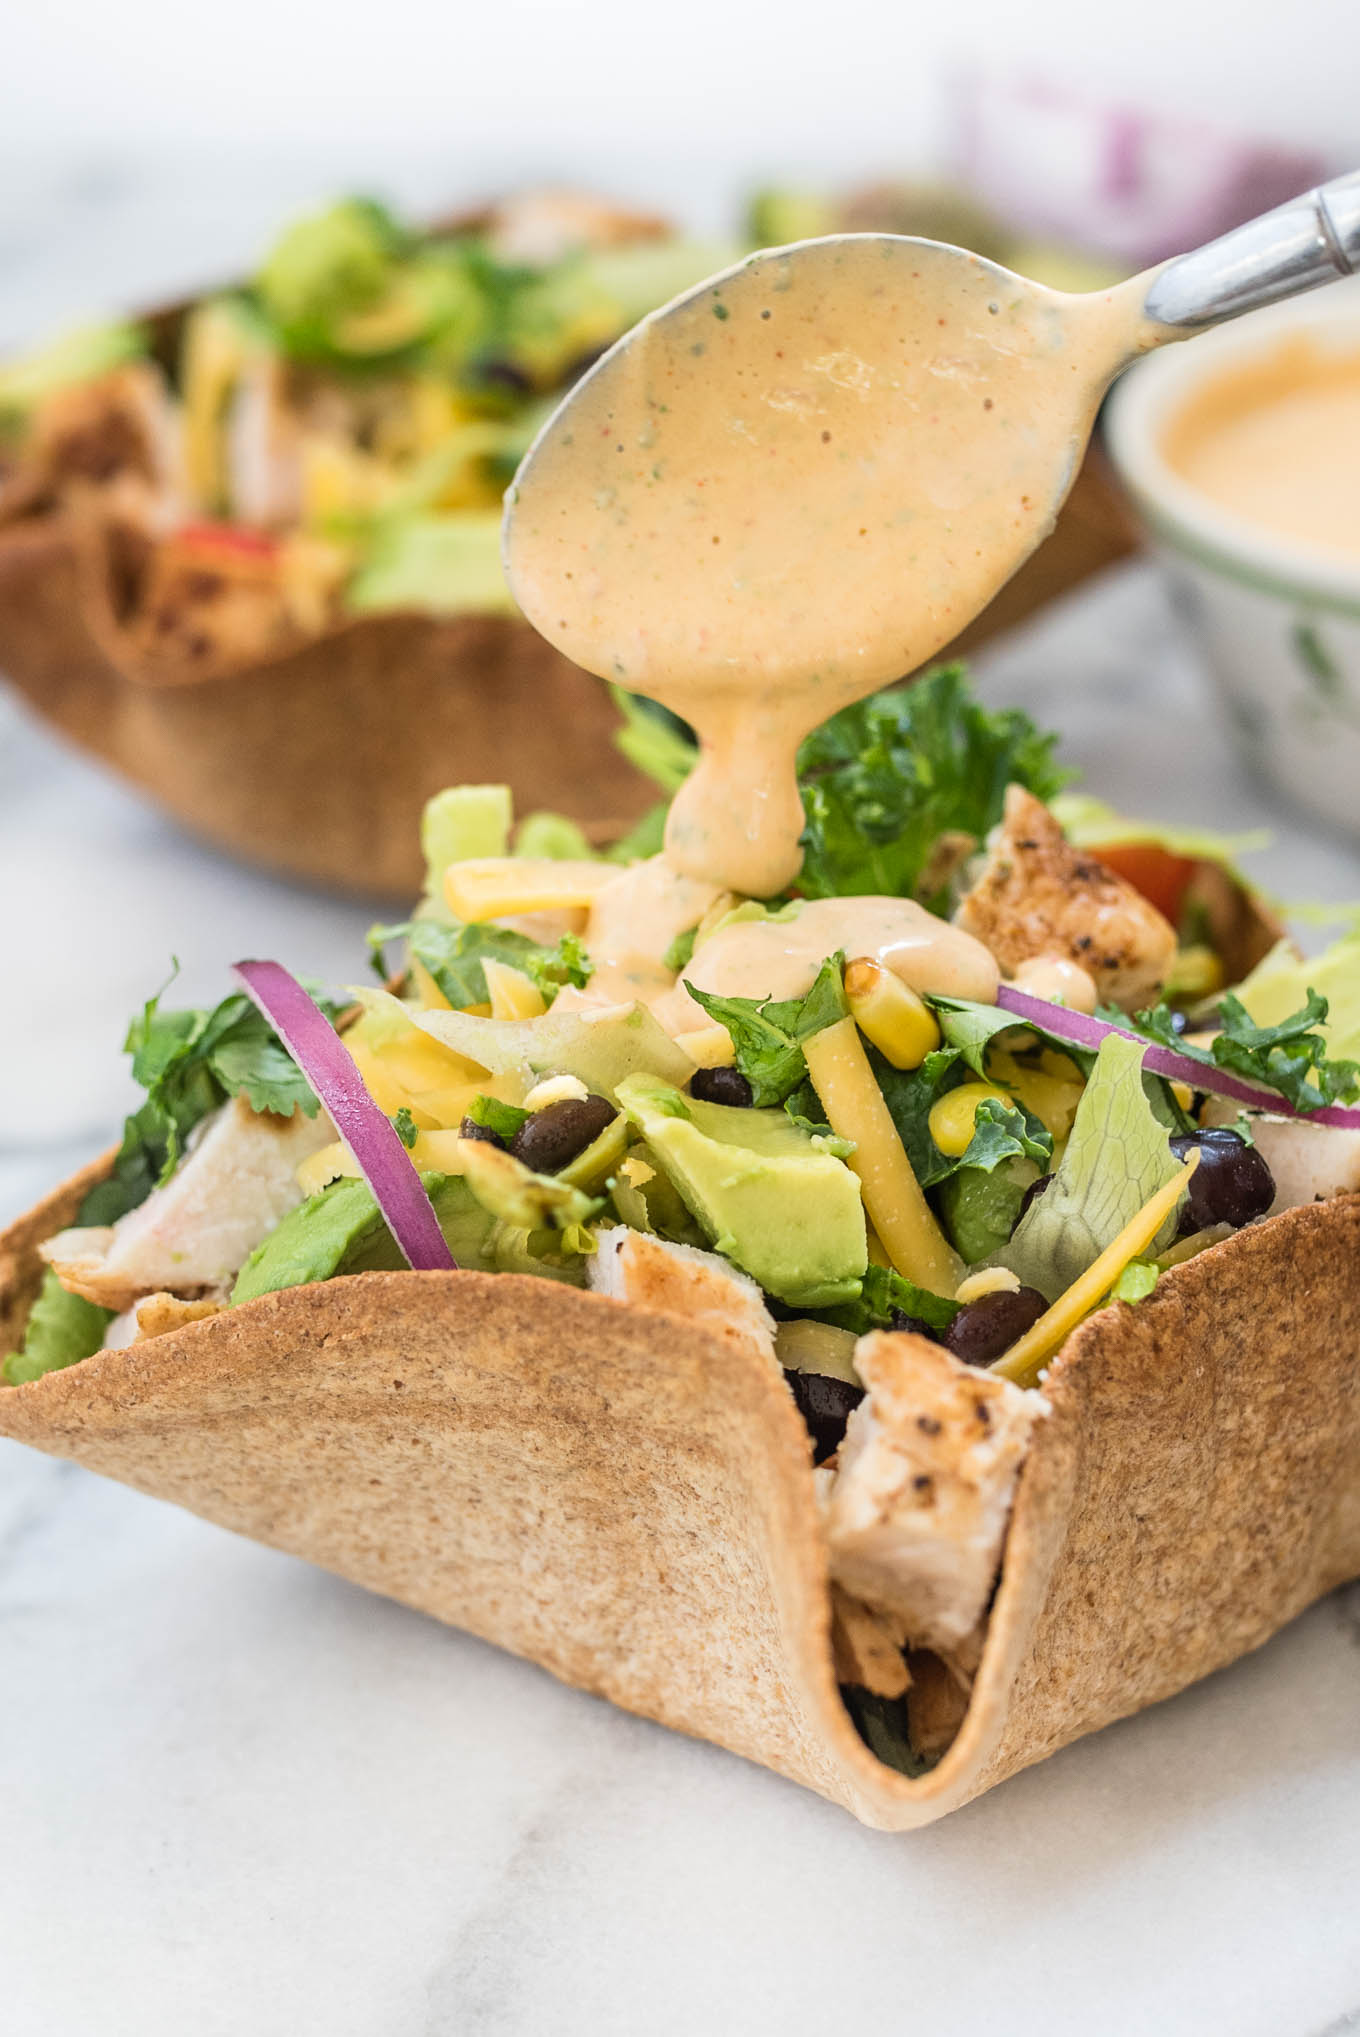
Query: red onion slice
pixel 372 1138
pixel 1089 1032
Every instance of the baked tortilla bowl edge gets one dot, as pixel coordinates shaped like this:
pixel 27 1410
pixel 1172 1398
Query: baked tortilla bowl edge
pixel 628 1500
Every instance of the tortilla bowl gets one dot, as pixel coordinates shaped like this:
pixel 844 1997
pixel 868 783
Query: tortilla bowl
pixel 628 1500
pixel 317 762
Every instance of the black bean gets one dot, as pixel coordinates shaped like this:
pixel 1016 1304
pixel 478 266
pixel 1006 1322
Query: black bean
pixel 557 1133
pixel 1232 1184
pixel 900 1320
pixel 826 1405
pixel 1036 1188
pixel 721 1085
pixel 470 1129
pixel 984 1330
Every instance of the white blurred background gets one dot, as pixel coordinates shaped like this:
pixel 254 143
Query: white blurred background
pixel 201 125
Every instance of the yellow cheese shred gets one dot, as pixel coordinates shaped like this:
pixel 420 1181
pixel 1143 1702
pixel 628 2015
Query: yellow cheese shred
pixel 486 887
pixel 897 1208
pixel 1027 1357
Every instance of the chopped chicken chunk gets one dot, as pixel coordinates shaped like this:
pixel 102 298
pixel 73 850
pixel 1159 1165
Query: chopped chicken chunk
pixel 651 1273
pixel 918 1510
pixel 1038 896
pixel 866 1647
pixel 235 1184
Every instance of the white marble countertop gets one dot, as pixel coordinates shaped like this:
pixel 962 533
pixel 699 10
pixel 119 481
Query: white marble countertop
pixel 239 1798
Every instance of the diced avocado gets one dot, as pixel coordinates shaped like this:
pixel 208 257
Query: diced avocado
pixel 76 357
pixel 979 1206
pixel 766 1193
pixel 331 263
pixel 463 821
pixel 62 1329
pixel 437 565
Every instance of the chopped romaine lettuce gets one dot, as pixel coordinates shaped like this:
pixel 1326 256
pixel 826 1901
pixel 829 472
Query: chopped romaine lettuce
pixel 1116 1159
pixel 62 1329
pixel 883 1294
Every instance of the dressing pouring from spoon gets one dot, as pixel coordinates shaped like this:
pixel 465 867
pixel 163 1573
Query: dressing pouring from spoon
pixel 799 481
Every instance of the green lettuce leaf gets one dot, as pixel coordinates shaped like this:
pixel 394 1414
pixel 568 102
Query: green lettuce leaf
pixel 884 779
pixel 883 1292
pixel 504 1119
pixel 768 1033
pixel 1117 1157
pixel 454 954
pixel 655 741
pixel 62 1329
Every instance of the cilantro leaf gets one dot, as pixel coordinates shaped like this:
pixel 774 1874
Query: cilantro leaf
pixel 1290 1058
pixel 768 1034
pixel 568 962
pixel 407 1129
pixel 189 1062
pixel 886 778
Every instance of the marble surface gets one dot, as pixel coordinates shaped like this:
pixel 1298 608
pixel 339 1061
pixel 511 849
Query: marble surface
pixel 243 1799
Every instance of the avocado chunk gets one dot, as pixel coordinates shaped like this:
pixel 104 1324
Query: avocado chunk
pixel 979 1205
pixel 768 1194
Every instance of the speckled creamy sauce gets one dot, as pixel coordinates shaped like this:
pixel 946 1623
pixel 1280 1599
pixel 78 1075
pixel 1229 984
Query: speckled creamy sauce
pixel 795 486
pixel 1278 442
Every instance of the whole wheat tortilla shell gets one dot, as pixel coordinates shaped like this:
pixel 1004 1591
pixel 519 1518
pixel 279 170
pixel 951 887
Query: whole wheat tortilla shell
pixel 628 1501
pixel 318 762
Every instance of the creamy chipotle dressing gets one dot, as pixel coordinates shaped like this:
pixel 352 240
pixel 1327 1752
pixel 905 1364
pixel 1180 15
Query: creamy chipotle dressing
pixel 1278 442
pixel 796 485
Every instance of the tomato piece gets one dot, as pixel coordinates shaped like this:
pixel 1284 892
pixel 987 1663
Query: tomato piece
pixel 1163 879
pixel 227 537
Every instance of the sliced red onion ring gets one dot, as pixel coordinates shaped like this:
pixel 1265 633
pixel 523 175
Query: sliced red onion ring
pixel 372 1138
pixel 1089 1032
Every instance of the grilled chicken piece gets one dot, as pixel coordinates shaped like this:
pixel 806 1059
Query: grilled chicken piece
pixel 101 433
pixel 1038 896
pixel 866 1647
pixel 651 1273
pixel 918 1510
pixel 541 227
pixel 230 1190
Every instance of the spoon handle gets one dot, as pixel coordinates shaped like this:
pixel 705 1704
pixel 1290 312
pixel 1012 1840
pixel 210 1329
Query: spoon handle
pixel 1311 240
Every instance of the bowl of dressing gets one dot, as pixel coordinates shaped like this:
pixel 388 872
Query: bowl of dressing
pixel 1241 451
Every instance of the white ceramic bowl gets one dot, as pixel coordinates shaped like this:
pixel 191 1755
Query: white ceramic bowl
pixel 1278 620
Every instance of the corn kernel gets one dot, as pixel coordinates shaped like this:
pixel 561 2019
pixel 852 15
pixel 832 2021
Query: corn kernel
pixel 888 1013
pixel 952 1119
pixel 1184 1095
